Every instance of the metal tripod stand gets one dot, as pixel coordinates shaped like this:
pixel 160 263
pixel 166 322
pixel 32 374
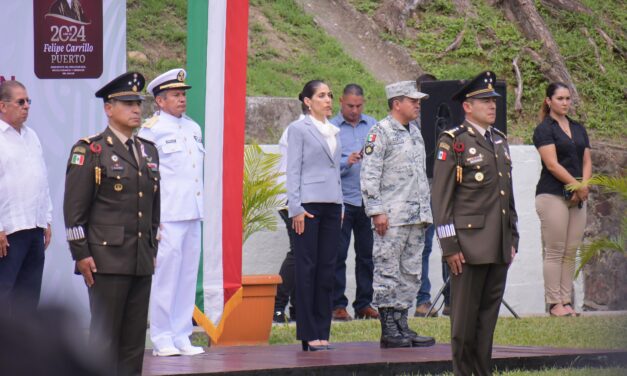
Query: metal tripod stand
pixel 446 284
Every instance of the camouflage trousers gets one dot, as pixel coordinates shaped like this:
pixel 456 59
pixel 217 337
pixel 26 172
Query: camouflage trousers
pixel 397 266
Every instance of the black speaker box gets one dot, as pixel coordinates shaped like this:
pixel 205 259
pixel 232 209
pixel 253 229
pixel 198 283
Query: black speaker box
pixel 439 112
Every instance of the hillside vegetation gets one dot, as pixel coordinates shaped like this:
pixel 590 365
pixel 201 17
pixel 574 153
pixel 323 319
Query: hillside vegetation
pixel 287 48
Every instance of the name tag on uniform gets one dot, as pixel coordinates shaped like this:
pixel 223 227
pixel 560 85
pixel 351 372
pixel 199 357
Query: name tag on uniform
pixel 172 141
pixel 475 159
pixel 117 167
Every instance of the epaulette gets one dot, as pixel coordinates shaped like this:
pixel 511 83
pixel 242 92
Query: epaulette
pixel 455 131
pixel 145 140
pixel 90 139
pixel 150 122
pixel 499 132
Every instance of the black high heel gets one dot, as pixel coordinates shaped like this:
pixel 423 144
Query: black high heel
pixel 308 347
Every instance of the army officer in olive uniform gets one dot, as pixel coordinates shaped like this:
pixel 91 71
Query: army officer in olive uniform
pixel 475 218
pixel 111 210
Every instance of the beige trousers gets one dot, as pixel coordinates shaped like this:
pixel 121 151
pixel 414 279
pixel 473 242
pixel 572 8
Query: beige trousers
pixel 562 225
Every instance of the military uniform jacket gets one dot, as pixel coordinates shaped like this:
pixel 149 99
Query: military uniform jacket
pixel 474 209
pixel 111 204
pixel 393 178
pixel 181 156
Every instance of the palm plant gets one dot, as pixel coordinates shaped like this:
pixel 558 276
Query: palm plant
pixel 589 251
pixel 260 191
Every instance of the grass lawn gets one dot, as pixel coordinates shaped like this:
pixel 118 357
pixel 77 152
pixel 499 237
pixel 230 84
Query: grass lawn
pixel 606 332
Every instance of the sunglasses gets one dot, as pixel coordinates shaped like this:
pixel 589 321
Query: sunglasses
pixel 21 102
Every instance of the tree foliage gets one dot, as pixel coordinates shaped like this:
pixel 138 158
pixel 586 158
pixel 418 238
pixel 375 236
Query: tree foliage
pixel 609 184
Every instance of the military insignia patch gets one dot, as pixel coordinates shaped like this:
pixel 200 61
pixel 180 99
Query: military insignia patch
pixel 118 187
pixel 444 145
pixel 371 137
pixel 472 151
pixel 78 159
pixel 109 140
pixel 114 158
pixel 479 176
pixel 368 149
pixel 79 149
pixel 442 155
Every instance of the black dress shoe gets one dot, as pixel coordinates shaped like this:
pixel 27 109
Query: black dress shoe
pixel 422 341
pixel 308 347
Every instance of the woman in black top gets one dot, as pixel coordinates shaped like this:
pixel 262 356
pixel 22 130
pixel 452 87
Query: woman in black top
pixel 565 152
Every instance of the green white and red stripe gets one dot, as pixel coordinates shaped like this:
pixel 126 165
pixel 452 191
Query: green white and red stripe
pixel 216 61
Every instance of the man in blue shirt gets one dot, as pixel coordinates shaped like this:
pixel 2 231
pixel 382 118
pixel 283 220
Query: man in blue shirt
pixel 354 127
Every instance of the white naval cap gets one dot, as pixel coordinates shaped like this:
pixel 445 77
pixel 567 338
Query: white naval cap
pixel 172 79
pixel 404 89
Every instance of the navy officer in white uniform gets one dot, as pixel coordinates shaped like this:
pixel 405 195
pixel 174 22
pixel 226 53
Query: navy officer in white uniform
pixel 179 142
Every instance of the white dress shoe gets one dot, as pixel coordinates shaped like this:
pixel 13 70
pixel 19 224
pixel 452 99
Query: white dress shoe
pixel 167 351
pixel 191 350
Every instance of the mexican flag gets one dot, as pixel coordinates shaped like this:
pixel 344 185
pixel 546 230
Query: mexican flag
pixel 217 38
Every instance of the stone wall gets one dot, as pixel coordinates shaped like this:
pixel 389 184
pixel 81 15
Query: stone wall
pixel 267 117
pixel 605 278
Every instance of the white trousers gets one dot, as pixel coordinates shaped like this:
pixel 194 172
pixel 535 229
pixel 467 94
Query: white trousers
pixel 174 284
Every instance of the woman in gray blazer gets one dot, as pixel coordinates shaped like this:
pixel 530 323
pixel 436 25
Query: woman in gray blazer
pixel 314 195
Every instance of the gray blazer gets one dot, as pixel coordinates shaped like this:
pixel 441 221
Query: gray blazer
pixel 313 174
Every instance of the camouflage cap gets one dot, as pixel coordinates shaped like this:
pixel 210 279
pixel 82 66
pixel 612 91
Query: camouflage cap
pixel 404 89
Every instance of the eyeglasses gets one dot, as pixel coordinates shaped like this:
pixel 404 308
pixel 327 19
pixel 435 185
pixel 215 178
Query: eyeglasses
pixel 21 102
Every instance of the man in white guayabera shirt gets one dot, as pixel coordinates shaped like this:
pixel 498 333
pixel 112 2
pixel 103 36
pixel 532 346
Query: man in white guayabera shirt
pixel 25 205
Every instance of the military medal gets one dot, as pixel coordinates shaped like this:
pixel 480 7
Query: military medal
pixel 479 176
pixel 96 149
pixel 459 149
pixel 118 187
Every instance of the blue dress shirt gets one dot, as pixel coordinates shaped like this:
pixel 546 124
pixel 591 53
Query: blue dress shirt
pixel 353 140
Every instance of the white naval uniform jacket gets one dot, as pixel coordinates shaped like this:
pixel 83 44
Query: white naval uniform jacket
pixel 181 155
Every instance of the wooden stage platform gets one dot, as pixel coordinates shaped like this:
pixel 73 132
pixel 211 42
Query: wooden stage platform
pixel 365 358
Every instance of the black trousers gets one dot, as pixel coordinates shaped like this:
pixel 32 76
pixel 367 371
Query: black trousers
pixel 316 254
pixel 358 223
pixel 119 314
pixel 21 271
pixel 476 296
pixel 285 291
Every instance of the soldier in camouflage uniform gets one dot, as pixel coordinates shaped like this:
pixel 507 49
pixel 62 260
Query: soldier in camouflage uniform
pixel 396 196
